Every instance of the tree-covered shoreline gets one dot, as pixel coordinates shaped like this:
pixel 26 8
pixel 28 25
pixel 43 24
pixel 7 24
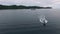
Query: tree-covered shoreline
pixel 22 7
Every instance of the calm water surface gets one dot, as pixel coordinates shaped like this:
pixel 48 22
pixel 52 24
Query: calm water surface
pixel 27 21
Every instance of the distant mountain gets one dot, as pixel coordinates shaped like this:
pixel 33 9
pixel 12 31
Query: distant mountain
pixel 22 7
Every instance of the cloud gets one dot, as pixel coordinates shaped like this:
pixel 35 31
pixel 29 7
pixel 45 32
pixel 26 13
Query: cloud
pixel 53 3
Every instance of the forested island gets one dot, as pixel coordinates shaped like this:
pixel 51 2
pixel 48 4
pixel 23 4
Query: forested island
pixel 22 7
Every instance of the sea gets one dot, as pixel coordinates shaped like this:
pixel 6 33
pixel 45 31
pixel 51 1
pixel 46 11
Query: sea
pixel 27 21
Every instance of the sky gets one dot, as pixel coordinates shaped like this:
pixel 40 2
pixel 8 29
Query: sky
pixel 45 3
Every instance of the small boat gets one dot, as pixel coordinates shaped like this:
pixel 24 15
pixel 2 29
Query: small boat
pixel 43 20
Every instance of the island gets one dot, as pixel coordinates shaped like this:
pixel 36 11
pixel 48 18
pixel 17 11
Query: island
pixel 22 7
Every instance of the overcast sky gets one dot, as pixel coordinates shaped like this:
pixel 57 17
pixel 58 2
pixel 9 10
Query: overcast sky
pixel 52 3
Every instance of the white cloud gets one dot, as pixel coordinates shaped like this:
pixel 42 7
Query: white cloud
pixel 53 3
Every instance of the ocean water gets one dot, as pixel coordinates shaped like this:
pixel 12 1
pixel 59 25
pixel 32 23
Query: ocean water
pixel 27 21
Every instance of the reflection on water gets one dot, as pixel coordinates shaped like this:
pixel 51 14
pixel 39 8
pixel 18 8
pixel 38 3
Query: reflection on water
pixel 28 21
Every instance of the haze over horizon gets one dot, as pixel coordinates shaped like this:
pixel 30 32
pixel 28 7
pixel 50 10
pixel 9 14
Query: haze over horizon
pixel 45 3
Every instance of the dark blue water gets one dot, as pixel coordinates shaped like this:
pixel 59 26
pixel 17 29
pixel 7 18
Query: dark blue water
pixel 27 21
